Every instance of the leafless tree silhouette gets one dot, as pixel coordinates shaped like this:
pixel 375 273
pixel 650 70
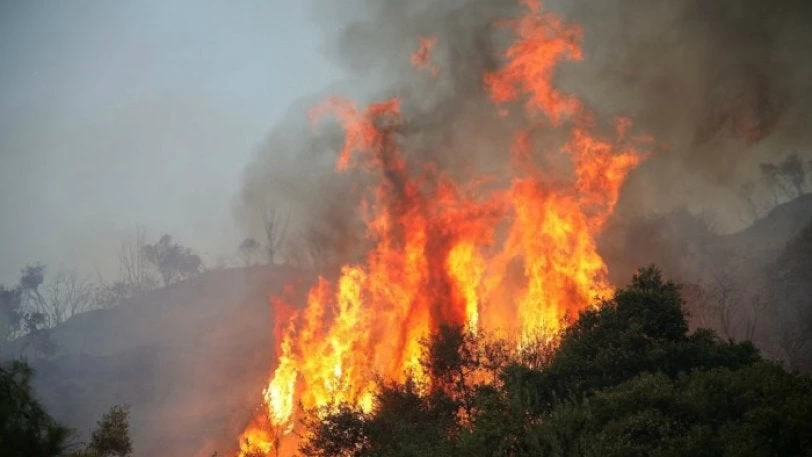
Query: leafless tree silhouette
pixel 275 224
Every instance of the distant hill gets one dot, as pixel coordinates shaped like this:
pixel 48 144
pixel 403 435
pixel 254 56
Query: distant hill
pixel 685 247
pixel 771 232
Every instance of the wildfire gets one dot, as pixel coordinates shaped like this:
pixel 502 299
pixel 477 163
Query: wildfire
pixel 421 58
pixel 520 257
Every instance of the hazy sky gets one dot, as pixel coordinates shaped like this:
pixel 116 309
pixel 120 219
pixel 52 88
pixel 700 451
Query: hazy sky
pixel 117 113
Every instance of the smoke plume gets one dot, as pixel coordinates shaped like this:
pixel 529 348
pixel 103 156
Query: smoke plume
pixel 721 86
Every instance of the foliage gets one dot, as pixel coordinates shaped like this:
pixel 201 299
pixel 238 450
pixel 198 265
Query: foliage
pixel 111 437
pixel 642 329
pixel 627 379
pixel 758 410
pixel 23 311
pixel 26 429
pixel 57 300
pixel 342 433
pixel 34 306
pixel 172 260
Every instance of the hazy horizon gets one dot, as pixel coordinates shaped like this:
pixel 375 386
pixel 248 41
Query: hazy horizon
pixel 116 115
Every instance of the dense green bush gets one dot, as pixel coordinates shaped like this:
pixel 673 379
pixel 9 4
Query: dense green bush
pixel 626 379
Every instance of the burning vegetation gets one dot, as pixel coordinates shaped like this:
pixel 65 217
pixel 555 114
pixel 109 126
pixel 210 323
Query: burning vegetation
pixel 468 242
pixel 512 256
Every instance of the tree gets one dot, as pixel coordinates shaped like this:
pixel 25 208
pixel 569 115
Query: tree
pixel 26 429
pixel 340 433
pixel 275 226
pixel 758 410
pixel 25 311
pixel 172 260
pixel 725 300
pixel 11 313
pixel 66 296
pixel 248 250
pixel 112 435
pixel 627 379
pixel 55 301
pixel 791 289
pixel 641 329
pixel 134 273
pixel 450 358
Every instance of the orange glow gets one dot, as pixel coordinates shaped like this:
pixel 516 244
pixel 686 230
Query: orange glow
pixel 543 40
pixel 466 266
pixel 518 256
pixel 421 58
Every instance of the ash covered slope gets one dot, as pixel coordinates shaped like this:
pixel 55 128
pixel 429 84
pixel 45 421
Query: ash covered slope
pixel 189 359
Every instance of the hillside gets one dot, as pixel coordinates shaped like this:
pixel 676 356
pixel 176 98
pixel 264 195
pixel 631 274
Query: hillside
pixel 770 233
pixel 189 359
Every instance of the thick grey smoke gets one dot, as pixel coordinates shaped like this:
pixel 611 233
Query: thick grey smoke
pixel 722 86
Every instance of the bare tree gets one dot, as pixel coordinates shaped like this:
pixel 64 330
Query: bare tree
pixel 275 225
pixel 724 300
pixel 58 299
pixel 66 296
pixel 135 275
pixel 793 338
pixel 758 304
pixel 248 250
pixel 791 284
pixel 697 304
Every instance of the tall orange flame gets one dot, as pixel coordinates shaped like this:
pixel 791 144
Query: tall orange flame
pixel 519 258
